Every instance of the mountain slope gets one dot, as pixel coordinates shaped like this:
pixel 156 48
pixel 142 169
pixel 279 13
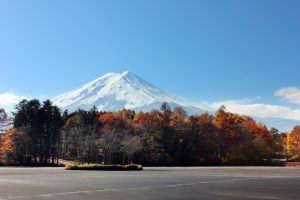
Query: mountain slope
pixel 115 91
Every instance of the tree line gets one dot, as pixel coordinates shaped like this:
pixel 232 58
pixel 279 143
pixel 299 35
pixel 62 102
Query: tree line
pixel 43 135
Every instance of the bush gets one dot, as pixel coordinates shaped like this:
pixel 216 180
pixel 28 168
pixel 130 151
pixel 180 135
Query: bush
pixel 132 167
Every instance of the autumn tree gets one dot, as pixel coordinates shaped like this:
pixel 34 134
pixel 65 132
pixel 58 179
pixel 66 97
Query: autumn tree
pixel 183 138
pixel 130 144
pixel 168 136
pixel 108 144
pixel 279 143
pixel 293 142
pixel 14 147
pixel 79 135
pixel 205 141
pixel 257 142
pixel 226 133
pixel 151 129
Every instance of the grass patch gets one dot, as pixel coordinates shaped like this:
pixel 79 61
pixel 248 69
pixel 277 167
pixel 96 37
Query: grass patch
pixel 132 167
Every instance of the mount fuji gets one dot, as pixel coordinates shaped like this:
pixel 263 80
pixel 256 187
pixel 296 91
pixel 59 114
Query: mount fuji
pixel 115 91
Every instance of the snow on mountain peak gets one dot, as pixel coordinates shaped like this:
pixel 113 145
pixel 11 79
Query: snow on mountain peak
pixel 118 90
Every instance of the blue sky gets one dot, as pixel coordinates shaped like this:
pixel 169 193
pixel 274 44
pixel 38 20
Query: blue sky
pixel 207 51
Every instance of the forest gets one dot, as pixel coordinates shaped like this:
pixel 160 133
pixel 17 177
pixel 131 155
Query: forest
pixel 42 135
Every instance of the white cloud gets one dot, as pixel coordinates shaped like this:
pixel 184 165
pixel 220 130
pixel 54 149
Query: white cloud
pixel 8 100
pixel 290 94
pixel 243 107
pixel 252 108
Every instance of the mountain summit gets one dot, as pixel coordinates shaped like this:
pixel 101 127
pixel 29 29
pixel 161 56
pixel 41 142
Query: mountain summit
pixel 115 91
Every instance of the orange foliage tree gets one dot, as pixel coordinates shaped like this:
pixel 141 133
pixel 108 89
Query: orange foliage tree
pixel 293 142
pixel 13 147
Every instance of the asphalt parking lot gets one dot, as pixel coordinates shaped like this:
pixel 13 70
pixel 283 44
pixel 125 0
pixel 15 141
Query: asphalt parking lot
pixel 151 183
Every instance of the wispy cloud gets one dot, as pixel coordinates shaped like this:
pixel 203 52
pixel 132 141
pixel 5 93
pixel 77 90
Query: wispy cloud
pixel 290 94
pixel 9 99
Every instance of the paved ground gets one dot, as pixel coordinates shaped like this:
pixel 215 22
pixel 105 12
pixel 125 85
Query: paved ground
pixel 152 183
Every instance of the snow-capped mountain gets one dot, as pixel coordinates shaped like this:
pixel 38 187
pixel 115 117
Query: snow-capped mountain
pixel 115 91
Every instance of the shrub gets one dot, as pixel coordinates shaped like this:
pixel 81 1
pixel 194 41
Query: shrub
pixel 132 167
